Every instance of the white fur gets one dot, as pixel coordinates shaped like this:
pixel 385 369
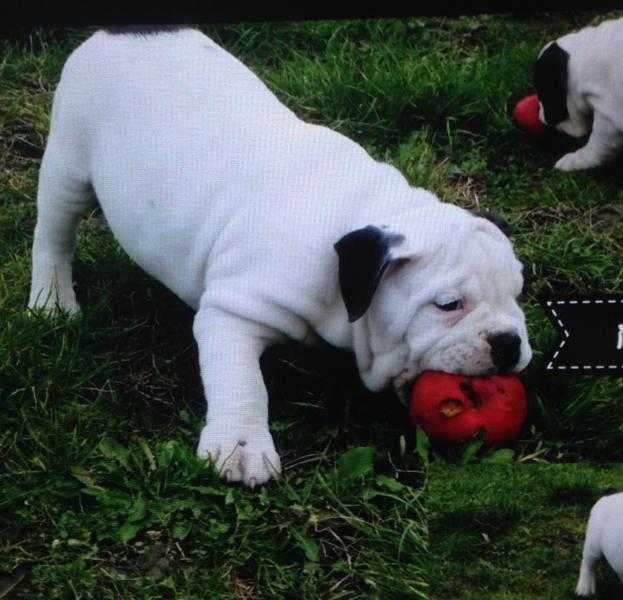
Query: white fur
pixel 594 94
pixel 604 538
pixel 220 192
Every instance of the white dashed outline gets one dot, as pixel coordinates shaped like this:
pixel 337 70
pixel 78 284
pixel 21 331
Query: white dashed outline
pixel 566 336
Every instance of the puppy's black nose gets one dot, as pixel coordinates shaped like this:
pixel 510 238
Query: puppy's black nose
pixel 505 350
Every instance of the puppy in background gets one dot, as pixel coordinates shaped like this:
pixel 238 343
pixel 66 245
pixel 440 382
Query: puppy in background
pixel 579 82
pixel 604 538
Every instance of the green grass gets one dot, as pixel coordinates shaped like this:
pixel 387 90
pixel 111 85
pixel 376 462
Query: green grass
pixel 145 520
pixel 514 532
pixel 100 493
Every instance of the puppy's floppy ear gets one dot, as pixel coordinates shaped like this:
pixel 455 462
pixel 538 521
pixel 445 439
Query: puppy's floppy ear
pixel 550 81
pixel 364 255
pixel 497 220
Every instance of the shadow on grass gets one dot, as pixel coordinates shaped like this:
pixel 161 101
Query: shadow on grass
pixel 317 401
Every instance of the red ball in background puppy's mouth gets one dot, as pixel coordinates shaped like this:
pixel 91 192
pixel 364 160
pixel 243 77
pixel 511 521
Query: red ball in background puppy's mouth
pixel 526 115
pixel 454 408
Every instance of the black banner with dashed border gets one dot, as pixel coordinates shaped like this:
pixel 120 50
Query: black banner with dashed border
pixel 591 334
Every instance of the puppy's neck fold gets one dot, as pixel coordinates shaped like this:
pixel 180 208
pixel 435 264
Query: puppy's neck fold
pixel 377 369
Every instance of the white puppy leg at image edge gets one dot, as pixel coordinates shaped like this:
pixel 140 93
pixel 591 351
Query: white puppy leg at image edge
pixel 236 436
pixel 592 551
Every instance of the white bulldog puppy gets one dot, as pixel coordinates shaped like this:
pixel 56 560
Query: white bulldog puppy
pixel 269 227
pixel 604 538
pixel 579 82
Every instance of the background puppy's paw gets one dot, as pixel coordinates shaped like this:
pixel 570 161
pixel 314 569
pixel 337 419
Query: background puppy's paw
pixel 572 162
pixel 586 585
pixel 239 455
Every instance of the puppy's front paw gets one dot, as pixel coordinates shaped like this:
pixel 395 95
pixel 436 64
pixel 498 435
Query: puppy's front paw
pixel 586 584
pixel 54 303
pixel 585 590
pixel 574 162
pixel 239 455
pixel 72 309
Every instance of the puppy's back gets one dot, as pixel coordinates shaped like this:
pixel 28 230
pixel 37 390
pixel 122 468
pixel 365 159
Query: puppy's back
pixel 596 45
pixel 171 73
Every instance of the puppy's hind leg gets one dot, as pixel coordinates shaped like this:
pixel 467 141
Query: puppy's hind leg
pixel 63 196
pixel 591 554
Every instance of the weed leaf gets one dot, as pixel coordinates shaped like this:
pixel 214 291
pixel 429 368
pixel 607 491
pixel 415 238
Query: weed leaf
pixel 181 530
pixel 139 510
pixel 499 457
pixel 307 544
pixel 391 484
pixel 422 445
pixel 85 477
pixel 127 531
pixel 148 453
pixel 469 454
pixel 355 463
pixel 115 451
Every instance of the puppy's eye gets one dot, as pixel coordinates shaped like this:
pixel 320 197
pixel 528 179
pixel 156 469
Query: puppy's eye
pixel 450 306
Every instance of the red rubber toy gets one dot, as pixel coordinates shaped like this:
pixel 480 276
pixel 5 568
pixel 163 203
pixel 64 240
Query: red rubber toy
pixel 453 408
pixel 526 115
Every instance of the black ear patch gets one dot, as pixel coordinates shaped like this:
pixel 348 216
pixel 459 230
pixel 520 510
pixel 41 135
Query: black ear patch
pixel 497 220
pixel 364 255
pixel 550 81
